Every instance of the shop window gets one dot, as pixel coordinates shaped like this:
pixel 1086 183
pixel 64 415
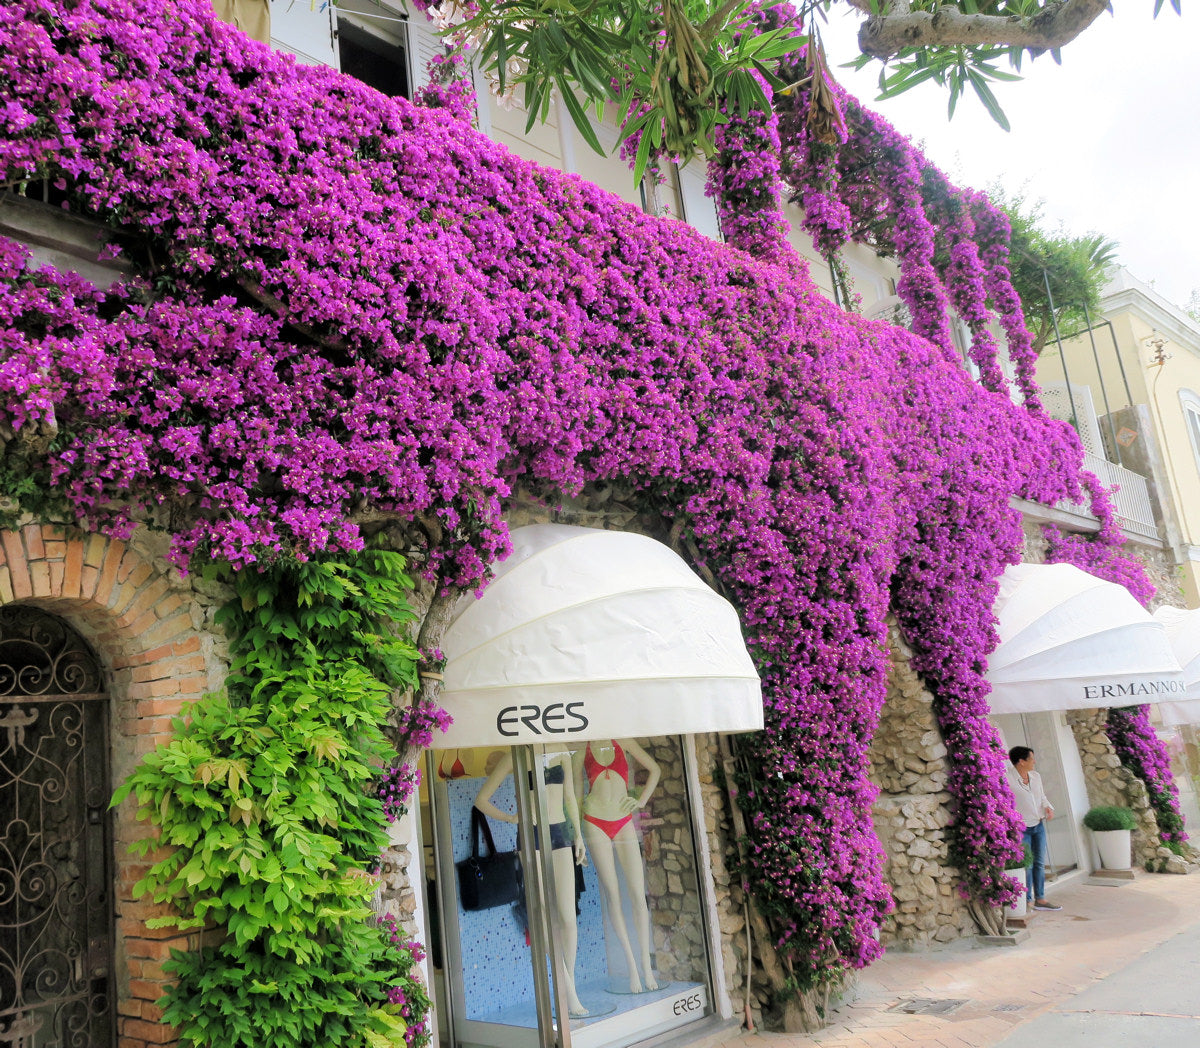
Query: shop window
pixel 628 953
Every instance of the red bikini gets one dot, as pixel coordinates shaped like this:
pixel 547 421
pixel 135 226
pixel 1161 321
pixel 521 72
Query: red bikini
pixel 610 826
pixel 593 769
pixel 457 771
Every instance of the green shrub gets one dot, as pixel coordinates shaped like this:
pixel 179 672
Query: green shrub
pixel 1110 818
pixel 1022 863
pixel 267 801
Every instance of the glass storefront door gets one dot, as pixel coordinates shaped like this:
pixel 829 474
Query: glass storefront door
pixel 617 943
pixel 1037 731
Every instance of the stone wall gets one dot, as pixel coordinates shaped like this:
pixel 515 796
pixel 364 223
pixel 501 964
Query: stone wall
pixel 908 764
pixel 737 954
pixel 672 888
pixel 1109 783
pixel 397 891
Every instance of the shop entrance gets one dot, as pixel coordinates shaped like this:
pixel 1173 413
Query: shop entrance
pixel 576 683
pixel 616 944
pixel 1038 731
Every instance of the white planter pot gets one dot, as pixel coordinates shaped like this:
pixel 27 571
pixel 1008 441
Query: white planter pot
pixel 1018 908
pixel 1115 849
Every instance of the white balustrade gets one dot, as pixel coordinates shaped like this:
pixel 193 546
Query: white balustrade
pixel 1130 499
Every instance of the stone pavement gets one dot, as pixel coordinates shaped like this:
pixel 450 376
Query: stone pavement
pixel 1116 966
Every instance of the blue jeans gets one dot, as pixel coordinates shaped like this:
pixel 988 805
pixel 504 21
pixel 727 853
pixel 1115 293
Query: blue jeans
pixel 1035 876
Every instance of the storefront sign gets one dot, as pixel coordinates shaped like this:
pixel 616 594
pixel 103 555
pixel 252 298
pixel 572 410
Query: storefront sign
pixel 1138 692
pixel 559 718
pixel 586 710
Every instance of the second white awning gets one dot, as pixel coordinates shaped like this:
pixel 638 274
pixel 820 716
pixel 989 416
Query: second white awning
pixel 1069 640
pixel 1183 632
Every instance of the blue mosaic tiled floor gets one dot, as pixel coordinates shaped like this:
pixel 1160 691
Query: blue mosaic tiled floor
pixel 596 997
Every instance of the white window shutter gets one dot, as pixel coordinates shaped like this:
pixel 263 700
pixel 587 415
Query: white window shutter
pixel 699 210
pixel 304 29
pixel 424 44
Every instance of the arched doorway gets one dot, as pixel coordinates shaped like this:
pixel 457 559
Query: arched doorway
pixel 56 909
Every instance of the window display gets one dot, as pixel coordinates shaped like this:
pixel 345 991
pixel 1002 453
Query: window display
pixel 626 921
pixel 608 808
pixel 567 850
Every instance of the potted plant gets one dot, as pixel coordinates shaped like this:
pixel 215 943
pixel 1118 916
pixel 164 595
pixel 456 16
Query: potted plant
pixel 1016 869
pixel 1111 827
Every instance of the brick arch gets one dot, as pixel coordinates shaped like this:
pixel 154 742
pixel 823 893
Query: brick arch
pixel 138 617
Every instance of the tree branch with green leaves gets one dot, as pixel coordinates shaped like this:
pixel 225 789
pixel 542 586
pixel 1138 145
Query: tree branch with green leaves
pixel 674 68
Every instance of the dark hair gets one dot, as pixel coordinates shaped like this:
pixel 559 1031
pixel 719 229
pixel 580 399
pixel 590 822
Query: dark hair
pixel 1019 753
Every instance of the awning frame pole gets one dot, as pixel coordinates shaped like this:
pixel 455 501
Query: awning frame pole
pixel 1061 354
pixel 1112 426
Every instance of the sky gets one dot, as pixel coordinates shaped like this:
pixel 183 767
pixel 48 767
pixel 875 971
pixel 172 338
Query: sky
pixel 1109 140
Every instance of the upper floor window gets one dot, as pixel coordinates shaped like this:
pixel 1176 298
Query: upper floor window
pixel 1191 418
pixel 372 41
pixel 373 47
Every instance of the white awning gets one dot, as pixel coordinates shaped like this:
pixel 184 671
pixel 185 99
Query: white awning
pixel 1069 640
pixel 1183 632
pixel 590 634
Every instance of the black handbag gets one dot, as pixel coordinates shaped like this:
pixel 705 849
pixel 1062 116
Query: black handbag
pixel 491 879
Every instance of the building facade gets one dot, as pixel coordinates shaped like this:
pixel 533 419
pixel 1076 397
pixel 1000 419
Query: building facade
pixel 663 939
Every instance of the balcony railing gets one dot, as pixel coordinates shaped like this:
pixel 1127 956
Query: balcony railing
pixel 1131 499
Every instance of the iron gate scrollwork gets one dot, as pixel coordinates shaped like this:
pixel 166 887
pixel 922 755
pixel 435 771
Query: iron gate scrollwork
pixel 55 898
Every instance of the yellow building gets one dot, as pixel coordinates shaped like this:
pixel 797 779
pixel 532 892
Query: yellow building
pixel 1132 384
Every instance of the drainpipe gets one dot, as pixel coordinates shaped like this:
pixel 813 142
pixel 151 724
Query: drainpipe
pixel 1112 333
pixel 833 280
pixel 1159 361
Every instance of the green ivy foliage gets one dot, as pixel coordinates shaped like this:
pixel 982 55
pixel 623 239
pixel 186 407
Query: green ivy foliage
pixel 265 804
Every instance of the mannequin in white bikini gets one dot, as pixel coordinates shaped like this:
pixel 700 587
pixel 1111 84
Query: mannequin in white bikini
pixel 608 808
pixel 566 849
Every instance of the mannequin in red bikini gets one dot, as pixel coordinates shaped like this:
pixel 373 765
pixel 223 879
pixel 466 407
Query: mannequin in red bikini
pixel 608 829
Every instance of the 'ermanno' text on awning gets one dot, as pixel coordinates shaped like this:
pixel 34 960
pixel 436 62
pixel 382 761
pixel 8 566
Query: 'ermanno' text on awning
pixel 1134 689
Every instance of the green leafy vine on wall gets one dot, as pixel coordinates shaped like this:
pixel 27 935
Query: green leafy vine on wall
pixel 266 817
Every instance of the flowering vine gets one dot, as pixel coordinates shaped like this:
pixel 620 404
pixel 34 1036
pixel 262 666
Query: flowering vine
pixel 396 787
pixel 1138 746
pixel 744 180
pixel 347 305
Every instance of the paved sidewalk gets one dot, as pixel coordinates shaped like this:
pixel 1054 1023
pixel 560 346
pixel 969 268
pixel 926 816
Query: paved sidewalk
pixel 1142 940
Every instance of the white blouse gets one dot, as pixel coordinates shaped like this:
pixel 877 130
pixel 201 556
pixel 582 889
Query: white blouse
pixel 1031 799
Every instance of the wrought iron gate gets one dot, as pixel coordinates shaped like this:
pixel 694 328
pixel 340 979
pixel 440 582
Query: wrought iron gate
pixel 55 896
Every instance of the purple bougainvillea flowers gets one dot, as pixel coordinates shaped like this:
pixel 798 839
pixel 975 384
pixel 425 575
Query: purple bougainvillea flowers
pixel 352 303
